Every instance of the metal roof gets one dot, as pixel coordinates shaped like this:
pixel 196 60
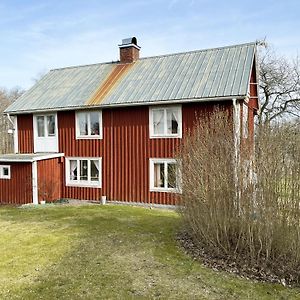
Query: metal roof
pixel 196 75
pixel 28 157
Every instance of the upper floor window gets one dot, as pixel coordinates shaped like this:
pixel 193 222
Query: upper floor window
pixel 4 172
pixel 83 172
pixel 165 122
pixel 245 121
pixel 45 125
pixel 89 124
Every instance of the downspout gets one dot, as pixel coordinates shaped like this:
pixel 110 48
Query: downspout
pixel 35 194
pixel 10 120
pixel 236 138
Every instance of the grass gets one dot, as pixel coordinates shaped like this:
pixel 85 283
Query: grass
pixel 108 252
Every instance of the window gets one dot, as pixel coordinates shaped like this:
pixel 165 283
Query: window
pixel 4 172
pixel 83 172
pixel 165 122
pixel 164 175
pixel 89 125
pixel 245 121
pixel 45 125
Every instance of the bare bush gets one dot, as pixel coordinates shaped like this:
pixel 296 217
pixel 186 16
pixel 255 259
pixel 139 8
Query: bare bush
pixel 240 211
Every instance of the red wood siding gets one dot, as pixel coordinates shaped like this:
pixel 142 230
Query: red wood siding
pixel 49 173
pixel 17 189
pixel 125 151
pixel 25 133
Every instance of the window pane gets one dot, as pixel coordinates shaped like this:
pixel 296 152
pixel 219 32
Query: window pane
pixel 158 121
pixel 172 174
pixel 40 126
pixel 94 170
pixel 172 121
pixel 83 123
pixel 94 119
pixel 73 169
pixel 84 170
pixel 51 125
pixel 5 171
pixel 159 175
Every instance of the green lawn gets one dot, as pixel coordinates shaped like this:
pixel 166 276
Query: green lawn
pixel 108 252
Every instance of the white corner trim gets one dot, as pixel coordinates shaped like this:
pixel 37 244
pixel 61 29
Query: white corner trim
pixel 35 194
pixel 16 139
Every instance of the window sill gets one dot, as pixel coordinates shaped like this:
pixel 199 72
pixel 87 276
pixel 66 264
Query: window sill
pixel 89 137
pixel 164 190
pixel 87 185
pixel 178 136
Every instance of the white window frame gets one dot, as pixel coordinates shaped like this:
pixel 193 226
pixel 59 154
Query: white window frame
pixel 85 183
pixel 245 121
pixel 88 136
pixel 2 176
pixel 46 133
pixel 165 161
pixel 165 134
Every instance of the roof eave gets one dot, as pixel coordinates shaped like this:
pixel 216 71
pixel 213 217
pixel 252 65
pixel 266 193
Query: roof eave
pixel 112 105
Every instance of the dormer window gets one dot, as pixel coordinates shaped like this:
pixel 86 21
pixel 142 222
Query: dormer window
pixel 89 125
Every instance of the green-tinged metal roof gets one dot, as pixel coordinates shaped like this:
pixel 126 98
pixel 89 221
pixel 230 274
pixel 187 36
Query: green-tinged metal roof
pixel 28 157
pixel 197 75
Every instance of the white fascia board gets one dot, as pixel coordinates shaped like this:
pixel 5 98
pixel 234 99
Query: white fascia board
pixel 113 105
pixel 37 158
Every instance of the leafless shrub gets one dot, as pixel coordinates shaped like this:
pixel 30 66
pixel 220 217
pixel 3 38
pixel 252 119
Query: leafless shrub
pixel 242 211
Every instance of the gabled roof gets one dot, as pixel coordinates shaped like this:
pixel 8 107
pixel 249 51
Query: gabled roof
pixel 197 75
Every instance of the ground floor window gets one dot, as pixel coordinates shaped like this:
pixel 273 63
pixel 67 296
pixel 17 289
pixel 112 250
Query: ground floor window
pixel 4 172
pixel 83 172
pixel 164 175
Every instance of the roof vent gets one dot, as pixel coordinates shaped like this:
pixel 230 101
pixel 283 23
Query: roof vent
pixel 129 50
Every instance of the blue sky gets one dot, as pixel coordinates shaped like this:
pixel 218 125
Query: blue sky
pixel 37 36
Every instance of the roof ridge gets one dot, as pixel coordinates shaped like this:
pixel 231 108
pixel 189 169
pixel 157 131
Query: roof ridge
pixel 85 65
pixel 156 56
pixel 200 50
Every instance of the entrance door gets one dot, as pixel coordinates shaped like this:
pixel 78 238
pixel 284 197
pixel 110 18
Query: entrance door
pixel 45 133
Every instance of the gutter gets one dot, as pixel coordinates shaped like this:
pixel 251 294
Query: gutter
pixel 113 105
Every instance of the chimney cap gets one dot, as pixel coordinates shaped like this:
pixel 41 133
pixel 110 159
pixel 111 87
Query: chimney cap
pixel 130 42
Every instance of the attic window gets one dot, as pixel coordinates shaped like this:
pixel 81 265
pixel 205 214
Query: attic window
pixel 89 125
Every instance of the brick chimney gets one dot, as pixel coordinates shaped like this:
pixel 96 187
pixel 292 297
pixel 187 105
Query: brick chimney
pixel 129 50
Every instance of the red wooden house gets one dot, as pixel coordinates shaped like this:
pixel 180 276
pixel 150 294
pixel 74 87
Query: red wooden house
pixel 112 129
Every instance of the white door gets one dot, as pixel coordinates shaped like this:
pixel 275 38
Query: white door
pixel 45 133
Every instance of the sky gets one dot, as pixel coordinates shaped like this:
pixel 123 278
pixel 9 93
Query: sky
pixel 37 36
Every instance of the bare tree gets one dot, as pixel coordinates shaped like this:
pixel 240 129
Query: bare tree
pixel 6 98
pixel 279 87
